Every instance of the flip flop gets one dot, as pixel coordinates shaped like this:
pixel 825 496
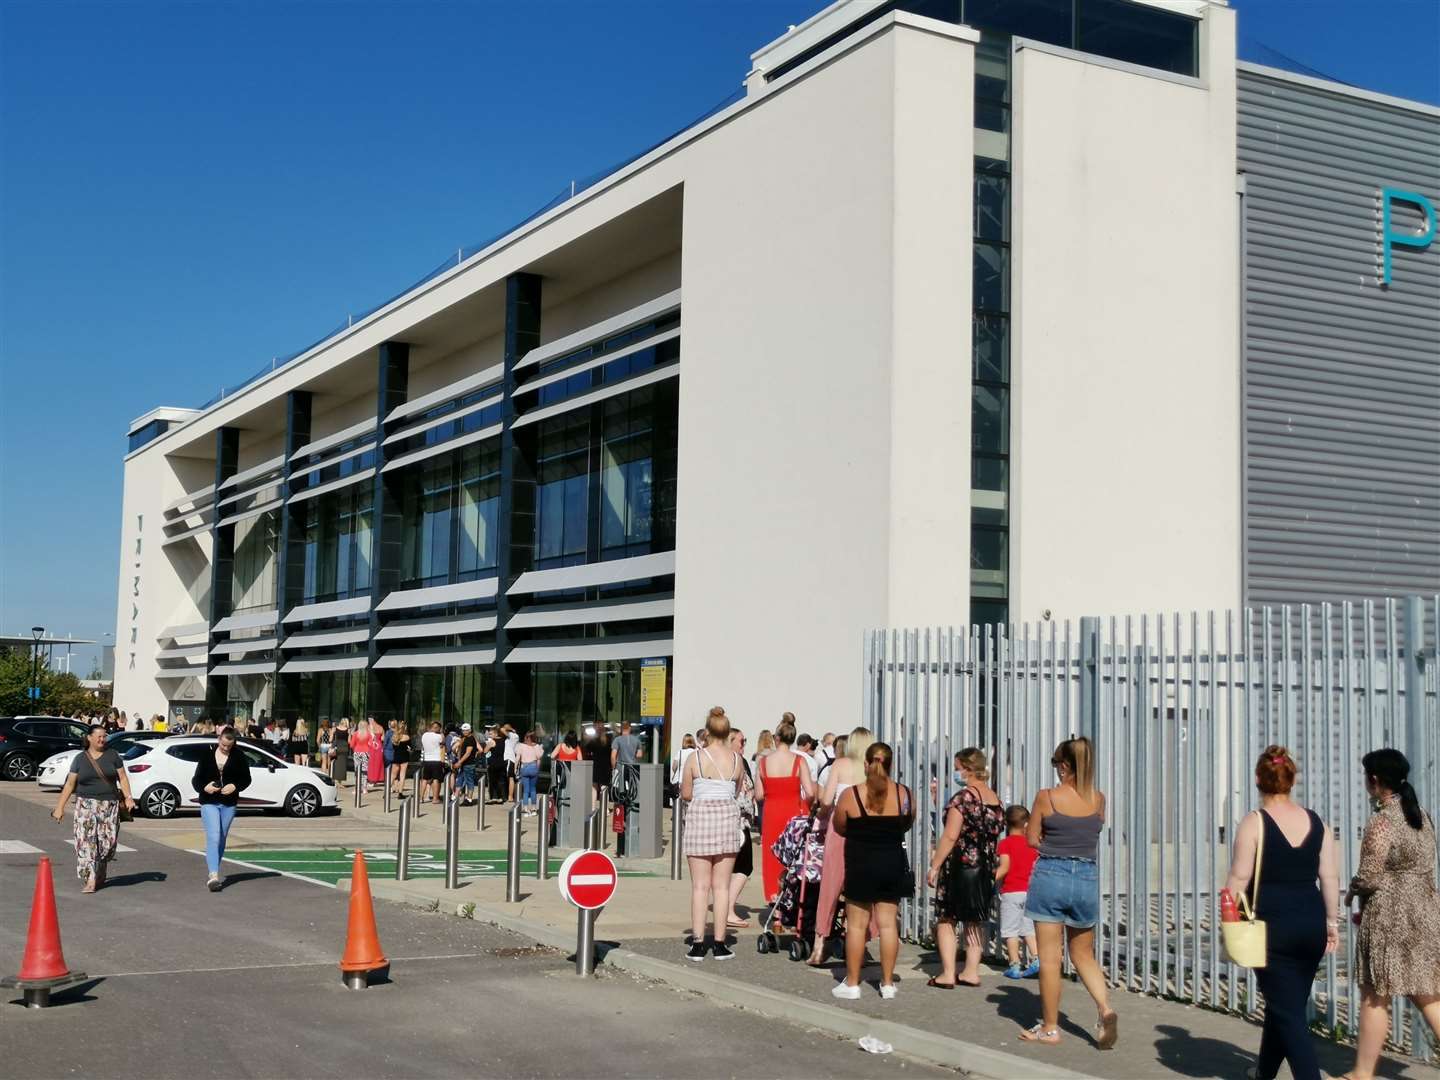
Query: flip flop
pixel 1037 1033
pixel 742 924
pixel 935 982
pixel 1109 1031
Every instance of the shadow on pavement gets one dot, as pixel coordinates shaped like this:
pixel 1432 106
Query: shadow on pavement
pixel 1022 1005
pixel 1183 1053
pixel 71 995
pixel 251 875
pixel 121 880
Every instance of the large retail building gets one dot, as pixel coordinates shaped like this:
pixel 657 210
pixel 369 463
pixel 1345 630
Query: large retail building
pixel 972 310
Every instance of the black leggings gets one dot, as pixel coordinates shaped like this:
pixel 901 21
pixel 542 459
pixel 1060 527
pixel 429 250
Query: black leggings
pixel 1285 980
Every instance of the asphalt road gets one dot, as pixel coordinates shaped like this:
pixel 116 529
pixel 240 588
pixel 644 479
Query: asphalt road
pixel 245 983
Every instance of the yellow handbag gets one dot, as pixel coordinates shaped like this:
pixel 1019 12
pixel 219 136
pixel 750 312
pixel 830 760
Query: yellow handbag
pixel 1245 939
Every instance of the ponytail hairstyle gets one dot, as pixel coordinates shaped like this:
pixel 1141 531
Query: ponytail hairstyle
pixel 1078 755
pixel 878 759
pixel 1390 770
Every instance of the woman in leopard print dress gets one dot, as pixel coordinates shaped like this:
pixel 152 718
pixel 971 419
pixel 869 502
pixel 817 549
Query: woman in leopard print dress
pixel 1398 947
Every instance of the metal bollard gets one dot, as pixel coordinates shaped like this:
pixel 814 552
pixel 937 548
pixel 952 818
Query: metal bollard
pixel 447 807
pixel 402 849
pixel 677 830
pixel 452 850
pixel 480 805
pixel 359 790
pixel 585 944
pixel 590 827
pixel 542 845
pixel 415 793
pixel 388 793
pixel 512 858
pixel 603 810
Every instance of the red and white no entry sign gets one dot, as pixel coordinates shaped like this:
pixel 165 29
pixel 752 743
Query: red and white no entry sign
pixel 588 879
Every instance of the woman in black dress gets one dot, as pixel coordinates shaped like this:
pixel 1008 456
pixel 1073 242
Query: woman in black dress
pixel 1301 919
pixel 874 817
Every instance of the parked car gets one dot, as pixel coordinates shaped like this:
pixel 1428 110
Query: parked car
pixel 160 779
pixel 25 741
pixel 128 744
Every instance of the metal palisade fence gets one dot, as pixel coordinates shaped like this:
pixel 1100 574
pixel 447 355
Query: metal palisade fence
pixel 1179 708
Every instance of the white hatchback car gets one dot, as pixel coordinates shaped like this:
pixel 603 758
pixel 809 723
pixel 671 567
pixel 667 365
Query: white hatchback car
pixel 160 779
pixel 128 744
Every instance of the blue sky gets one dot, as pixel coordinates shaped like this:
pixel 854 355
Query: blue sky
pixel 187 190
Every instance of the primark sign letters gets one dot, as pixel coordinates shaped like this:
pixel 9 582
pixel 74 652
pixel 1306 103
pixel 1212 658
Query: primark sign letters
pixel 1393 234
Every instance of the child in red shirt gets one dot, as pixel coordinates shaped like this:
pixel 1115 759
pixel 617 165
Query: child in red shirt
pixel 1017 859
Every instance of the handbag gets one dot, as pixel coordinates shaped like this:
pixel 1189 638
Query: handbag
pixel 124 814
pixel 1245 938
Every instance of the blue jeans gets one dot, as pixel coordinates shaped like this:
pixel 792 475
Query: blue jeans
pixel 217 821
pixel 529 776
pixel 1064 891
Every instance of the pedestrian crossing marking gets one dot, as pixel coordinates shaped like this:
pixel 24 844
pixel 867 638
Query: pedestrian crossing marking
pixel 18 847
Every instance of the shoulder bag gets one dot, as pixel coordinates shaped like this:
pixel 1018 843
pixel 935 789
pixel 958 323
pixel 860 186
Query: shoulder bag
pixel 1245 939
pixel 125 814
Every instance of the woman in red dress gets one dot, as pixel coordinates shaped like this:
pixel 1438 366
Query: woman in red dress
pixel 784 787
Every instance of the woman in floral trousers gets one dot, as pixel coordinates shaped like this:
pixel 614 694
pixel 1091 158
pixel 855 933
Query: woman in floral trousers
pixel 98 782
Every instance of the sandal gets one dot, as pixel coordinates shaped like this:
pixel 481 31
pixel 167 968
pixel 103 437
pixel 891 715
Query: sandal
pixel 934 981
pixel 738 924
pixel 1108 1031
pixel 1037 1033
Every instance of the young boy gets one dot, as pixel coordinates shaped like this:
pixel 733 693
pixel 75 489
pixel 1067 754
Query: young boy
pixel 1017 859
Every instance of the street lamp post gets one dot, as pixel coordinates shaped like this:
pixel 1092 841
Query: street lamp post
pixel 36 632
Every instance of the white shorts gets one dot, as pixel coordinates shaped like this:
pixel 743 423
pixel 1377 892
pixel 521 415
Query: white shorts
pixel 1013 923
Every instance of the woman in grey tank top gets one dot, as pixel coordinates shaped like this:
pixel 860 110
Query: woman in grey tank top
pixel 1064 893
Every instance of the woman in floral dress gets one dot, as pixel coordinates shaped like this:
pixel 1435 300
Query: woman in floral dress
pixel 962 871
pixel 1398 947
pixel 97 780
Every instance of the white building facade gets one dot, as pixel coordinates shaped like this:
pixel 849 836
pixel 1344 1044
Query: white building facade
pixel 940 323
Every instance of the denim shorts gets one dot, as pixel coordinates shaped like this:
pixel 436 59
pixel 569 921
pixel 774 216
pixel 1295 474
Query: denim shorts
pixel 1064 891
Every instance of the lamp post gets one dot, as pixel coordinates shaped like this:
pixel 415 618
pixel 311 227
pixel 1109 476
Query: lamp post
pixel 36 632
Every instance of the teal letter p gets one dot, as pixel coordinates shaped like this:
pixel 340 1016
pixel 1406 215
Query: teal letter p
pixel 1389 237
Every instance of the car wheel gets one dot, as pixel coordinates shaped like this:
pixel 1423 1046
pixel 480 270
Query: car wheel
pixel 20 767
pixel 303 801
pixel 160 801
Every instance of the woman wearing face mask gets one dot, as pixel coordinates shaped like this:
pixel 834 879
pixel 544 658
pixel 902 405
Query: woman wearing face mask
pixel 1398 947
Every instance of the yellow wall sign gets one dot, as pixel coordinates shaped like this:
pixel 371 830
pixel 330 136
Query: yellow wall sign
pixel 652 688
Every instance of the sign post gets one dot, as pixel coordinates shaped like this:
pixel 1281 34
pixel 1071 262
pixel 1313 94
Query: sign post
pixel 587 880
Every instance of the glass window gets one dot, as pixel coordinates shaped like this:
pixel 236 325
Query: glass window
pixel 990 420
pixel 991 115
pixel 992 68
pixel 479 521
pixel 191 752
pixel 1139 34
pixel 429 494
pixel 989 612
pixel 627 474
pixel 992 278
pixel 992 206
pixel 1042 20
pixel 562 490
pixel 991 348
pixel 558 695
pixel 253 582
pixel 989 549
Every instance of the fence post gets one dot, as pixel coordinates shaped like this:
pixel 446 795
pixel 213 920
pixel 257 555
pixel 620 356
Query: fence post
pixel 1416 748
pixel 1090 682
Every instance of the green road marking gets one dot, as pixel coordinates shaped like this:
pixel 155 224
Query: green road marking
pixel 331 864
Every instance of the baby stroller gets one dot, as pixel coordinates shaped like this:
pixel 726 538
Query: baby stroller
pixel 800 849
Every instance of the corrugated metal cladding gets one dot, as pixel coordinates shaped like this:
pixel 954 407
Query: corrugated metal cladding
pixel 1342 377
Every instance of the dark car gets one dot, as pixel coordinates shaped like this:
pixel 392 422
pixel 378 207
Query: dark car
pixel 25 741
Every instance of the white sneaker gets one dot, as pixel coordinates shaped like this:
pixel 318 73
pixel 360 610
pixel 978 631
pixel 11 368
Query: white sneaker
pixel 846 992
pixel 887 990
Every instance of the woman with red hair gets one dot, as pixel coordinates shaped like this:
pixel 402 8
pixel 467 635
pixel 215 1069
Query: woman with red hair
pixel 1297 895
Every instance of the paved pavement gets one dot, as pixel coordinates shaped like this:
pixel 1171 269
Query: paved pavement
pixel 245 983
pixel 643 930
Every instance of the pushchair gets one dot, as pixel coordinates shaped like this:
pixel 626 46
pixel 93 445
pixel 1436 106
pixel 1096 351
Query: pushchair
pixel 800 849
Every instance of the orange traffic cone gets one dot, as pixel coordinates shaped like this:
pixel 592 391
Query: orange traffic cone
pixel 362 942
pixel 43 968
